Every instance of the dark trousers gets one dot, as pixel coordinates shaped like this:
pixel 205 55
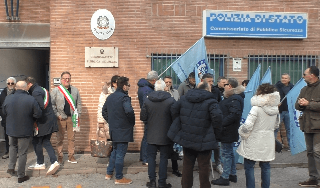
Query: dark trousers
pixel 189 158
pixel 174 165
pixel 144 146
pixel 6 139
pixel 43 142
pixel 21 145
pixel 164 154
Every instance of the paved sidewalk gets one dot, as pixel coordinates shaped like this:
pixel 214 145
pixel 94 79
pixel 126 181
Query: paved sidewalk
pixel 88 165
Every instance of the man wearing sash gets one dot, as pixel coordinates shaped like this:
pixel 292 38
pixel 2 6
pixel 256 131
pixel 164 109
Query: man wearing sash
pixel 44 128
pixel 118 112
pixel 66 105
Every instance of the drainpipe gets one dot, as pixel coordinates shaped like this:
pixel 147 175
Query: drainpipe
pixel 11 9
pixel 17 11
pixel 7 11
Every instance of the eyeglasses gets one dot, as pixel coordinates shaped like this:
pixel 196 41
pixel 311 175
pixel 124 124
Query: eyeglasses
pixel 226 85
pixel 10 83
pixel 66 78
pixel 168 82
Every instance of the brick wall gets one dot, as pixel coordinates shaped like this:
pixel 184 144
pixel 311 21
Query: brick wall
pixel 145 27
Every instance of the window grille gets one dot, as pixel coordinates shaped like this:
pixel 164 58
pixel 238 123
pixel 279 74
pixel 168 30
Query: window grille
pixel 294 65
pixel 160 62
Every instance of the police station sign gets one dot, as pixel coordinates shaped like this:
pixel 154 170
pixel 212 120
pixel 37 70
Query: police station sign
pixel 254 24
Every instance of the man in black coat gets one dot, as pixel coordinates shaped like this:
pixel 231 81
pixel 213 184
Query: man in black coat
pixel 232 107
pixel 46 125
pixel 118 112
pixel 156 112
pixel 20 110
pixel 217 95
pixel 284 86
pixel 196 125
pixel 11 84
pixel 146 86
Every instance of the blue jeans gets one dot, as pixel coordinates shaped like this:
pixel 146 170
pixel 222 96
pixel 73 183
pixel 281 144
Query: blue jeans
pixel 117 159
pixel 265 173
pixel 144 146
pixel 284 116
pixel 164 154
pixel 43 142
pixel 228 160
pixel 216 157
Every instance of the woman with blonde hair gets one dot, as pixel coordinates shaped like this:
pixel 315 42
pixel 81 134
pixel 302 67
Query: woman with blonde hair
pixel 257 134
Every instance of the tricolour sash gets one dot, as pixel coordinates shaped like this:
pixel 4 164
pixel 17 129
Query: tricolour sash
pixel 45 102
pixel 69 98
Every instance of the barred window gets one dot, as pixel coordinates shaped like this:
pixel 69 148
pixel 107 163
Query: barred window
pixel 160 62
pixel 294 65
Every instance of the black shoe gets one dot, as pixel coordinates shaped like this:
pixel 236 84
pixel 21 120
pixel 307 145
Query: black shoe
pixel 233 178
pixel 168 185
pixel 177 173
pixel 152 184
pixel 25 178
pixel 12 172
pixel 221 181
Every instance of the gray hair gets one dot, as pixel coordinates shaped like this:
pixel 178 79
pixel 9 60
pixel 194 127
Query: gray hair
pixel 221 78
pixel 285 74
pixel 233 82
pixel 152 75
pixel 159 85
pixel 12 78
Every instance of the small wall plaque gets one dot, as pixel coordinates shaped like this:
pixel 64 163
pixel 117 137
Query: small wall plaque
pixel 101 57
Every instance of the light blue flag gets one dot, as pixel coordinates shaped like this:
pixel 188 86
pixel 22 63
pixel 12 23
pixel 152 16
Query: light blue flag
pixel 249 92
pixel 201 68
pixel 267 78
pixel 297 141
pixel 187 62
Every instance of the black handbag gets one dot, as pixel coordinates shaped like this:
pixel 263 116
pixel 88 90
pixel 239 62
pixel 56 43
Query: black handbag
pixel 278 146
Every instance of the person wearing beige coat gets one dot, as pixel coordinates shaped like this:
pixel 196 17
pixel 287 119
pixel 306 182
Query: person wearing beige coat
pixel 103 126
pixel 257 134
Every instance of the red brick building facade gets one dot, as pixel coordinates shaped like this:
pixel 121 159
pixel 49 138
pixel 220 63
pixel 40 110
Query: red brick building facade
pixel 143 28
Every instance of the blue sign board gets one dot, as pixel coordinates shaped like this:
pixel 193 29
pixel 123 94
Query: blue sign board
pixel 254 24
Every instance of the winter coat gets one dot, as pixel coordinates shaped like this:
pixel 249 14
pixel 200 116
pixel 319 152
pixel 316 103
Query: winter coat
pixel 20 108
pixel 3 96
pixel 156 112
pixel 102 99
pixel 184 87
pixel 280 86
pixel 309 121
pixel 197 118
pixel 118 112
pixel 47 124
pixel 231 107
pixel 58 102
pixel 144 89
pixel 257 133
pixel 216 92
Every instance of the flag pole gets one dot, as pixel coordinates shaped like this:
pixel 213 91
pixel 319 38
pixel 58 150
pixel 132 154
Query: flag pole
pixel 166 69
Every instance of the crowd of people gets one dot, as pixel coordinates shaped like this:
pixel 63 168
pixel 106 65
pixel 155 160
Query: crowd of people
pixel 204 119
pixel 30 113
